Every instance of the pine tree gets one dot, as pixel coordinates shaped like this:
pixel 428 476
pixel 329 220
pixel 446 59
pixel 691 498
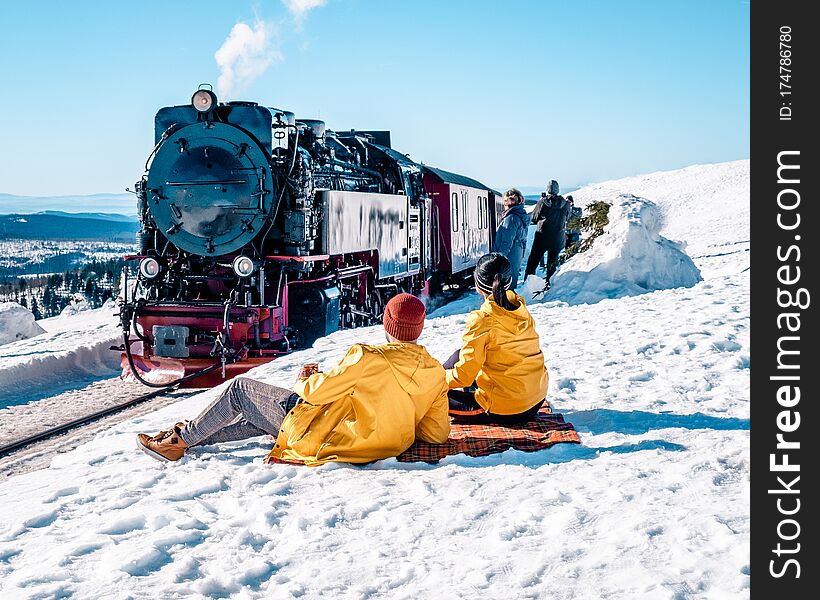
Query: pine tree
pixel 595 218
pixel 35 310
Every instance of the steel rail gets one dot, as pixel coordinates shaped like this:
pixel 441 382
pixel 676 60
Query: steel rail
pixel 38 437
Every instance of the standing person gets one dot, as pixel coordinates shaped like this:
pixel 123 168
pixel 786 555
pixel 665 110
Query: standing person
pixel 500 354
pixel 575 212
pixel 372 405
pixel 511 235
pixel 550 219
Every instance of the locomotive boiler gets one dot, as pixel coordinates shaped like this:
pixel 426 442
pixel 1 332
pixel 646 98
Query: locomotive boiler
pixel 261 232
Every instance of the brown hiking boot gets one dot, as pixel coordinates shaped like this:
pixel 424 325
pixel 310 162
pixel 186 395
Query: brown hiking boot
pixel 166 446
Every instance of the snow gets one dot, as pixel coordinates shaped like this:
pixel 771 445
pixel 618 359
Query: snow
pixel 68 351
pixel 653 504
pixel 16 323
pixel 77 305
pixel 630 259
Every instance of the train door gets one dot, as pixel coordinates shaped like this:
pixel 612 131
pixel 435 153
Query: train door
pixel 495 208
pixel 458 226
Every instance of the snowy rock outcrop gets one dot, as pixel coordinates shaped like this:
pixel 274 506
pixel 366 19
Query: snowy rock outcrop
pixel 77 305
pixel 17 323
pixel 630 258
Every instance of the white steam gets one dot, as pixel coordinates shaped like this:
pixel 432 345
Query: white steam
pixel 245 55
pixel 300 8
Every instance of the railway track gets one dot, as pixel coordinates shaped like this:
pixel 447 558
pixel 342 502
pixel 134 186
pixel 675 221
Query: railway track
pixel 52 431
pixel 30 435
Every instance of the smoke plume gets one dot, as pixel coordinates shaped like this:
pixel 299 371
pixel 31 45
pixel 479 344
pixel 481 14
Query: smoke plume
pixel 245 54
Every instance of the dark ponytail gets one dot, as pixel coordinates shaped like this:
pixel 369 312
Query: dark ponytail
pixel 493 276
pixel 500 294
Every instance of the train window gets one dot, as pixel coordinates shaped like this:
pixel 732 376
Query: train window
pixel 454 212
pixel 464 215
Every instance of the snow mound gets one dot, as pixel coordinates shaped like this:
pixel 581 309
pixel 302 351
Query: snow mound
pixel 630 258
pixel 17 323
pixel 67 350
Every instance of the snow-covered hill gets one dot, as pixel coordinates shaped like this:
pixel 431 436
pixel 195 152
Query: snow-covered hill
pixel 653 504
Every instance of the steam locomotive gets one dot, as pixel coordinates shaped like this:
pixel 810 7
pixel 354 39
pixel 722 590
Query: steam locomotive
pixel 261 232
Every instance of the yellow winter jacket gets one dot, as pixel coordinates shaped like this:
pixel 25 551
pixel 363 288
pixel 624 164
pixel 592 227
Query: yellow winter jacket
pixel 501 353
pixel 372 405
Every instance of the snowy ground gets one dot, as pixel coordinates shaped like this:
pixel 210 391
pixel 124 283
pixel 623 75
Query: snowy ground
pixel 71 353
pixel 653 504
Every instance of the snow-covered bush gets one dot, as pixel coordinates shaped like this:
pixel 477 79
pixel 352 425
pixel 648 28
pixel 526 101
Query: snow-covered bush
pixel 77 304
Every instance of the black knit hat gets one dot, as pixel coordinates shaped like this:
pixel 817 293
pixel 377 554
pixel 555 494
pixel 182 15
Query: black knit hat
pixel 488 267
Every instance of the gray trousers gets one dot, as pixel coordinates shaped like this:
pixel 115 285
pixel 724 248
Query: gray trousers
pixel 247 408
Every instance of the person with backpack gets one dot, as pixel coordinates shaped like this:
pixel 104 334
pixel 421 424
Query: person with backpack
pixel 511 234
pixel 372 405
pixel 498 375
pixel 550 219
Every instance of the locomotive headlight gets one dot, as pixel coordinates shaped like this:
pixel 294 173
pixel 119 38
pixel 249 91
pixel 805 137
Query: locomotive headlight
pixel 203 100
pixel 150 268
pixel 243 266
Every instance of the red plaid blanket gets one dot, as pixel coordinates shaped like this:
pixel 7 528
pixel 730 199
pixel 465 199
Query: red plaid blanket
pixel 482 440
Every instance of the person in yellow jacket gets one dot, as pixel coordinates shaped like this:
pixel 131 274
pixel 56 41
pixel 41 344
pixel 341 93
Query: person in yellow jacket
pixel 500 361
pixel 372 405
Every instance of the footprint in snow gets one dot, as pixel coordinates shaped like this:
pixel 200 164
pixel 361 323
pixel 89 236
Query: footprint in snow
pixel 566 383
pixel 69 491
pixel 726 346
pixel 82 550
pixel 643 376
pixel 147 563
pixel 124 525
pixel 654 531
pixel 188 571
pixel 8 554
pixel 42 520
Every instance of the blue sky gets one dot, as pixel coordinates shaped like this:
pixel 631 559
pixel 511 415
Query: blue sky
pixel 511 93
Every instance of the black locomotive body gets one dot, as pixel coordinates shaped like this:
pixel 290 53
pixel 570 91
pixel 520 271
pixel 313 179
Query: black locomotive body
pixel 261 233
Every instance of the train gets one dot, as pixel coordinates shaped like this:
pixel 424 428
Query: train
pixel 260 233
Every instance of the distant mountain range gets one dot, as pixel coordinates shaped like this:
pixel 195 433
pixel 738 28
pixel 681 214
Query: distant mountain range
pixel 88 215
pixel 56 225
pixel 122 204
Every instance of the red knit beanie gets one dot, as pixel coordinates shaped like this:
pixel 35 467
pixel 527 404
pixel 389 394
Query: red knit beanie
pixel 404 317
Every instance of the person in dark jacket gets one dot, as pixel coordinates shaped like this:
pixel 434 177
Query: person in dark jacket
pixel 511 235
pixel 550 219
